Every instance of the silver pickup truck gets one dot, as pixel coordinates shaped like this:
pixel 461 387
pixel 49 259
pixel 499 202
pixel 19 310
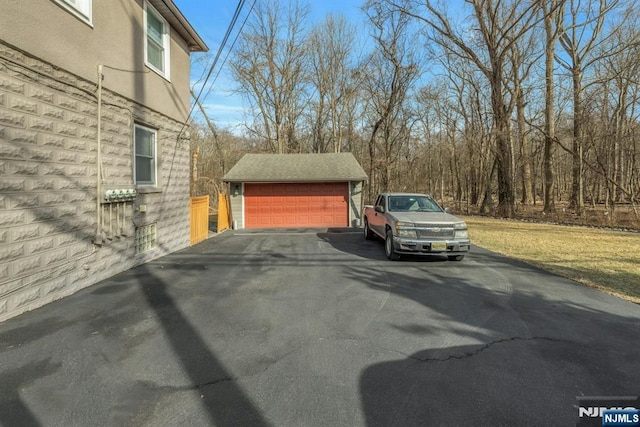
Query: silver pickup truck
pixel 415 224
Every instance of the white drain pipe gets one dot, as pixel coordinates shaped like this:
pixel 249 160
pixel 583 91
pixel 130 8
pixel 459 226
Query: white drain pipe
pixel 99 238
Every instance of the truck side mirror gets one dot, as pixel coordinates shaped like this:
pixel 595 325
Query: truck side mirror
pixel 379 208
pixel 447 210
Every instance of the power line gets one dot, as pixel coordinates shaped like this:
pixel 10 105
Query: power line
pixel 234 19
pixel 232 46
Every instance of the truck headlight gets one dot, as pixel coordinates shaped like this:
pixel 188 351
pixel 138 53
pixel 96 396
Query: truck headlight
pixel 460 231
pixel 461 235
pixel 402 224
pixel 405 229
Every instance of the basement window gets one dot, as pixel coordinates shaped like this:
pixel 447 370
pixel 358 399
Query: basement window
pixel 146 238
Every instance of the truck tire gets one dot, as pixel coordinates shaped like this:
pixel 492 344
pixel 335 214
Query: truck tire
pixel 389 249
pixel 368 234
pixel 455 257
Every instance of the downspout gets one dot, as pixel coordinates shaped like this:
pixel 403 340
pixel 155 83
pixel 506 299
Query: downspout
pixel 98 238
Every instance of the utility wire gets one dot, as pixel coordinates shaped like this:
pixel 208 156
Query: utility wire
pixel 234 19
pixel 240 5
pixel 224 61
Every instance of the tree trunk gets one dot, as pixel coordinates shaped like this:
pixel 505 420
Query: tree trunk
pixel 503 147
pixel 486 207
pixel 577 170
pixel 549 110
pixel 525 148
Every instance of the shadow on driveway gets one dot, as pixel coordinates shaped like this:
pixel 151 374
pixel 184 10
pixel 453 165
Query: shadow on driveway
pixel 484 341
pixel 226 404
pixel 370 249
pixel 511 354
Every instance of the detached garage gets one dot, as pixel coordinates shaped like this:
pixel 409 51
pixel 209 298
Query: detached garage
pixel 296 190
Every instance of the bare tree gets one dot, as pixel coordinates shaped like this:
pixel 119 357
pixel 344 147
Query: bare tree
pixel 451 110
pixel 616 98
pixel 523 57
pixel 392 70
pixel 552 13
pixel 213 152
pixel 331 47
pixel 580 34
pixel 499 26
pixel 269 66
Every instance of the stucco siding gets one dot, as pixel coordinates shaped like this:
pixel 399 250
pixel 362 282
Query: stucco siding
pixel 48 181
pixel 46 30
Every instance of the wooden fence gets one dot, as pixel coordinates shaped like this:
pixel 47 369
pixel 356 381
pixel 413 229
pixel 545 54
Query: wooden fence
pixel 199 219
pixel 224 222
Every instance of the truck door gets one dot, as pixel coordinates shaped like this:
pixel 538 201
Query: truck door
pixel 377 223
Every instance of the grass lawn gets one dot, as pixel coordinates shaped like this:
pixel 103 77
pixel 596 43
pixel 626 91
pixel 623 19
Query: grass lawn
pixel 603 259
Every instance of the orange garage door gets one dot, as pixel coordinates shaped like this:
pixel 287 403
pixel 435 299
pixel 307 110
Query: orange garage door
pixel 316 204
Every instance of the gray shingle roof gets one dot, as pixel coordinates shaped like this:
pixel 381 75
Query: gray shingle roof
pixel 296 168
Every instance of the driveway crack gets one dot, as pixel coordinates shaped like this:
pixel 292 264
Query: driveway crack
pixel 213 382
pixel 483 348
pixel 267 366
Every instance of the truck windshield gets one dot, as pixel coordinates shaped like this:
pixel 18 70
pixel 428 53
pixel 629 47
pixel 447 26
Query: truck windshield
pixel 413 204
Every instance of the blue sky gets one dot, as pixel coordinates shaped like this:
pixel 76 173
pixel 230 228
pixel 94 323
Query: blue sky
pixel 211 20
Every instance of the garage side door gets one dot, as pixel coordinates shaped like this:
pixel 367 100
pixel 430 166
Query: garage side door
pixel 296 205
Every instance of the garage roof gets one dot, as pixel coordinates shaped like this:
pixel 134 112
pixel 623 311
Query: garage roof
pixel 296 168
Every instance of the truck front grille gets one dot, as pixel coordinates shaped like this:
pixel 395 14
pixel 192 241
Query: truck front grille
pixel 434 231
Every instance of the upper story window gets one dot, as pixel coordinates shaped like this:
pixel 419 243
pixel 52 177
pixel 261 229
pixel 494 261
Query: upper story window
pixel 144 141
pixel 80 8
pixel 156 41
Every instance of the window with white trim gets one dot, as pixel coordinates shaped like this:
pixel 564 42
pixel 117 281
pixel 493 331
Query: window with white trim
pixel 80 8
pixel 156 41
pixel 145 149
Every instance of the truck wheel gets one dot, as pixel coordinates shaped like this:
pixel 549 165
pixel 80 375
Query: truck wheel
pixel 389 249
pixel 456 257
pixel 368 234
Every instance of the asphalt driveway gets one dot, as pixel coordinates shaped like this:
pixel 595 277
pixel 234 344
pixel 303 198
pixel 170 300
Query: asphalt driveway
pixel 317 328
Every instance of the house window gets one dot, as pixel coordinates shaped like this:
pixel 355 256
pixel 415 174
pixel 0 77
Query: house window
pixel 80 8
pixel 156 41
pixel 144 172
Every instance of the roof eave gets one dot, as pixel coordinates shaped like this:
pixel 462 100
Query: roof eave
pixel 177 20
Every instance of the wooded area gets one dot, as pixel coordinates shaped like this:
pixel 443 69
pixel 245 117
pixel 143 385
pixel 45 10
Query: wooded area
pixel 492 106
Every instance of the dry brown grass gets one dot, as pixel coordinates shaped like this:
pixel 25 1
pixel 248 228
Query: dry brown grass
pixel 603 259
